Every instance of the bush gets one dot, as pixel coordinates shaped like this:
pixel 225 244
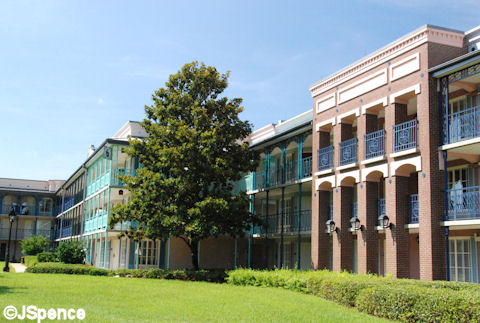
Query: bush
pixel 399 299
pixel 70 269
pixel 420 304
pixel 34 245
pixel 208 275
pixel 47 257
pixel 71 252
pixel 29 260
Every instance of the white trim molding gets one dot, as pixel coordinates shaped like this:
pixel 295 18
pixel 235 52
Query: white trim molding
pixel 404 67
pixel 363 86
pixel 321 180
pixel 326 102
pixel 394 49
pixel 355 174
pixel 379 168
pixel 354 112
pixel 325 123
pixel 414 161
pixel 380 102
pixel 414 88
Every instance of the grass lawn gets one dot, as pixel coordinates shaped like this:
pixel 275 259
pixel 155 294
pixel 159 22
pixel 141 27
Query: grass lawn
pixel 109 299
pixel 2 264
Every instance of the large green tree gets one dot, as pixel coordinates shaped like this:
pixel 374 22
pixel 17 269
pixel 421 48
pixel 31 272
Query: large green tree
pixel 194 152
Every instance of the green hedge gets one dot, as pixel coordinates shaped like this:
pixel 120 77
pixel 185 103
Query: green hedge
pixel 210 275
pixel 29 260
pixel 71 269
pixel 399 299
pixel 47 257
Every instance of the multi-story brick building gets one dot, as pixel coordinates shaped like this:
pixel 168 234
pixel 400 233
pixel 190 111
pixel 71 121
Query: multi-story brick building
pixel 377 133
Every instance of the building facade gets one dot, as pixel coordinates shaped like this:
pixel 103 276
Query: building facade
pixel 380 163
pixel 33 203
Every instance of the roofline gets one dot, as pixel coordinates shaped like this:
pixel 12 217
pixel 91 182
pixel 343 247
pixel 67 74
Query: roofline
pixel 378 51
pixel 459 62
pixel 84 164
pixel 302 126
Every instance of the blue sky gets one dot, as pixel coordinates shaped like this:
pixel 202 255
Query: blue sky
pixel 73 72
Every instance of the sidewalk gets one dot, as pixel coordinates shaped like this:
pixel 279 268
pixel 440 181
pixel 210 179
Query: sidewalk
pixel 19 268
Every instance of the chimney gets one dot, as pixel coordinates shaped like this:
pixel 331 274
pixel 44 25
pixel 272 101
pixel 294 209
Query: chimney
pixel 91 150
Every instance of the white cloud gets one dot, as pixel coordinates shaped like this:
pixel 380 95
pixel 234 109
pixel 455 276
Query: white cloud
pixel 100 101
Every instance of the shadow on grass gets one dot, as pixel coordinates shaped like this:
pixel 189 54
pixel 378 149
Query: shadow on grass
pixel 6 290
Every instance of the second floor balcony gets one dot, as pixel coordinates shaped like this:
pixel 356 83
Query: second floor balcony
pixel 21 234
pixel 273 223
pixel 463 203
pixel 375 144
pixel 405 136
pixel 325 158
pixel 348 152
pixel 462 125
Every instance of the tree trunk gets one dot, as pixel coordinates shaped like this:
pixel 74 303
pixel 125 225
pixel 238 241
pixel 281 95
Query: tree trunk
pixel 193 245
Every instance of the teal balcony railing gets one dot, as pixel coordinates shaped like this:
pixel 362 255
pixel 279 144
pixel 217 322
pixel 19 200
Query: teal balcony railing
pixel 290 223
pixel 307 167
pixel 463 203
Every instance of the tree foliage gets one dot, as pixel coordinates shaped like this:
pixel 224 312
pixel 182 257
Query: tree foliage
pixel 194 152
pixel 34 245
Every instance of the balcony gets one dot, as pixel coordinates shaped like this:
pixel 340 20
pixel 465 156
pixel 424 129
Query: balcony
pixel 375 144
pixel 325 158
pixel 464 203
pixel 66 232
pixel 413 208
pixel 291 171
pixel 290 223
pixel 348 151
pixel 21 234
pixel 405 136
pixel 307 167
pixel 462 125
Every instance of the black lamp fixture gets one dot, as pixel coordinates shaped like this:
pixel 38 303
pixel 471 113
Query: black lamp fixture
pixel 355 224
pixel 12 216
pixel 384 221
pixel 331 227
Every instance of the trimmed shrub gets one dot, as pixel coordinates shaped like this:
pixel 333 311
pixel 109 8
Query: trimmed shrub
pixel 71 252
pixel 420 304
pixel 29 260
pixel 70 269
pixel 208 275
pixel 34 245
pixel 399 299
pixel 47 257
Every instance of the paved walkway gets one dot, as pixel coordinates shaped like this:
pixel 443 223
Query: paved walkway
pixel 19 268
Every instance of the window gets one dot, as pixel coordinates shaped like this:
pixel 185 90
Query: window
pixel 45 207
pixel 148 253
pixel 461 260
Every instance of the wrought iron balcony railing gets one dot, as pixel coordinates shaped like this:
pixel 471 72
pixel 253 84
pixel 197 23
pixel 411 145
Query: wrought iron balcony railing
pixel 462 125
pixel 348 151
pixel 375 144
pixel 413 208
pixel 405 135
pixel 290 223
pixel 325 158
pixel 463 203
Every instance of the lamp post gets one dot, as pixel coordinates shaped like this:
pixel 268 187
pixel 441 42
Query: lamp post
pixel 12 216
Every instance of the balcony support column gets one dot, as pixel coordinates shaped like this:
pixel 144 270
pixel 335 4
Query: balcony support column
pixel 283 167
pixel 367 238
pixel 105 253
pixel 396 237
pixel 299 223
pixel 250 235
pixel 266 171
pixel 300 144
pixel 267 199
pixel 282 223
pixel 320 239
pixel 342 238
